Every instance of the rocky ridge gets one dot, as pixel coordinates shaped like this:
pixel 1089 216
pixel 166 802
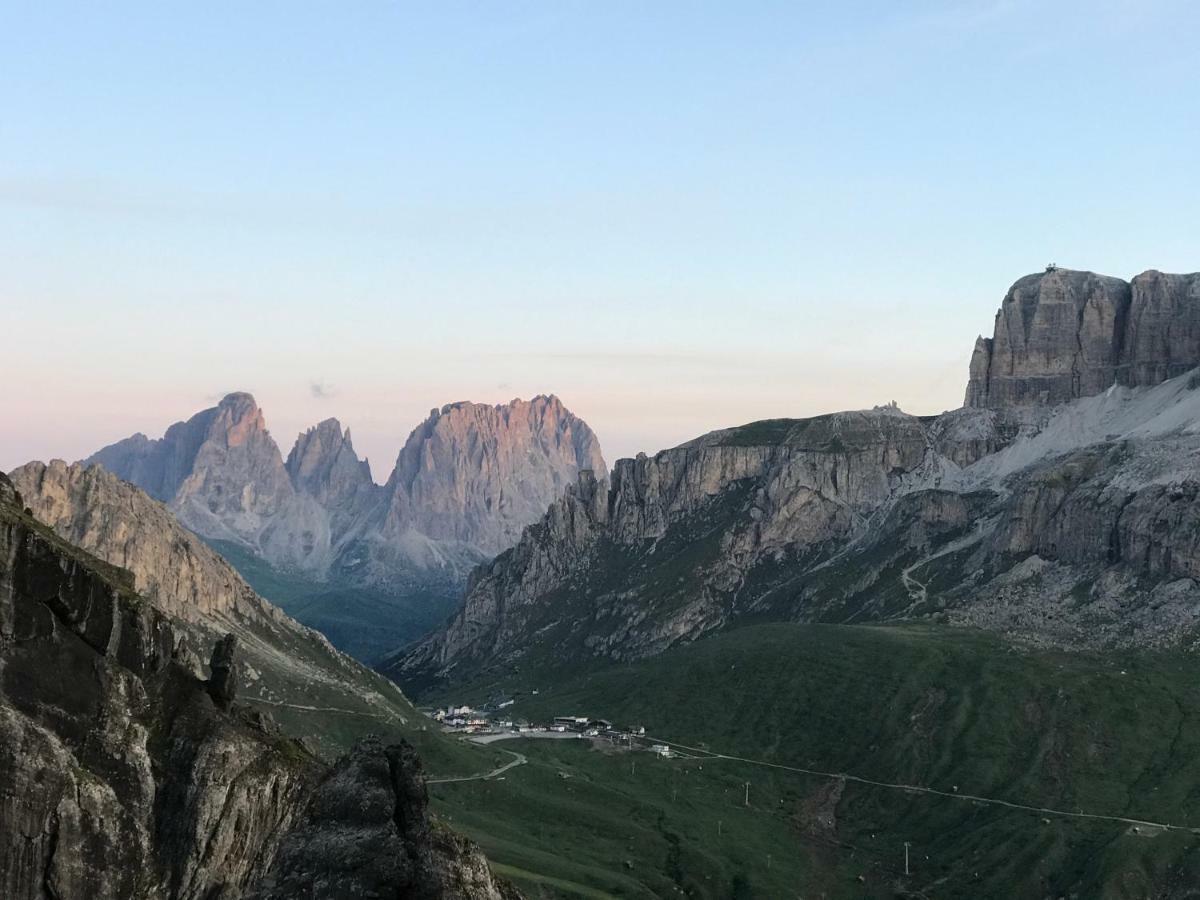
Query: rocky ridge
pixel 1054 506
pixel 184 578
pixel 122 777
pixel 466 482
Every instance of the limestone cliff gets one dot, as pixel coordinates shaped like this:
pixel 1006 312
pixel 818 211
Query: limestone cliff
pixel 323 465
pixel 1061 335
pixel 366 833
pixel 122 778
pixel 222 474
pixel 661 553
pixel 118 777
pixel 183 577
pixel 472 476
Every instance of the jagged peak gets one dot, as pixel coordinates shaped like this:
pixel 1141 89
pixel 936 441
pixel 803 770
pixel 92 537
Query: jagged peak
pixel 326 432
pixel 238 399
pixel 548 400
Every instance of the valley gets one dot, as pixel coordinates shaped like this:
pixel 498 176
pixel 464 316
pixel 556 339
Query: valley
pixel 600 451
pixel 1012 771
pixel 864 654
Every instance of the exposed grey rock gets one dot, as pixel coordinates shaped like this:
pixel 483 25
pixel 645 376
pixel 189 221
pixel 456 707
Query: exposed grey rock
pixel 182 576
pixel 721 502
pixel 479 474
pixel 323 465
pixel 366 833
pixel 102 729
pixel 466 482
pixel 91 507
pixel 1074 526
pixel 222 474
pixel 1162 331
pixel 120 779
pixel 1061 335
pixel 222 683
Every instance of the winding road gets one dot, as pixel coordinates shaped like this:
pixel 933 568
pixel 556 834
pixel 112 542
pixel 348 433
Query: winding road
pixel 518 759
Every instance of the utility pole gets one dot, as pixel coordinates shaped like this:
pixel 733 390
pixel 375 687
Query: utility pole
pixel 747 793
pixel 906 846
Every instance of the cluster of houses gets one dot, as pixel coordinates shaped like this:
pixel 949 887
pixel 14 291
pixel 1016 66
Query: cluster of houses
pixel 465 720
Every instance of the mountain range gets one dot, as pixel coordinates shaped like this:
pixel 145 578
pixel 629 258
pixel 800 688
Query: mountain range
pixel 714 591
pixel 1058 505
pixel 372 565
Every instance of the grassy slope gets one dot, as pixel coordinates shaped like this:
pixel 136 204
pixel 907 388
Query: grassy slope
pixel 917 705
pixel 366 623
pixel 340 714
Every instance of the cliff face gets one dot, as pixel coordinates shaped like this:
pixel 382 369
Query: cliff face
pixel 93 509
pixel 123 775
pixel 478 474
pixel 323 465
pixel 661 553
pixel 222 474
pixel 1162 332
pixel 184 578
pixel 366 833
pixel 118 777
pixel 1062 335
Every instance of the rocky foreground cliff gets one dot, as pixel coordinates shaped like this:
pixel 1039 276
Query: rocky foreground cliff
pixel 126 774
pixel 1057 505
pixel 289 668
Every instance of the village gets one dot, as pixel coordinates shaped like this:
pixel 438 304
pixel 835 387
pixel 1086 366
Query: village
pixel 485 726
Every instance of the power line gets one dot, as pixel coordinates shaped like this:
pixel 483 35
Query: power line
pixel 919 789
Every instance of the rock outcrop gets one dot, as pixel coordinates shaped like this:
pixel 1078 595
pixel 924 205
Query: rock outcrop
pixel 186 579
pixel 366 833
pixel 122 779
pixel 1061 335
pixel 222 474
pixel 103 729
pixel 94 509
pixel 222 683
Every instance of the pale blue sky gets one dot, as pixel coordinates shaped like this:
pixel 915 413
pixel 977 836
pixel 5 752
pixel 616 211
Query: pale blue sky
pixel 677 216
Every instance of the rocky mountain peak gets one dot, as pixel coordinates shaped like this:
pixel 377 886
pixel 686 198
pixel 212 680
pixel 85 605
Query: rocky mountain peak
pixel 1064 334
pixel 238 419
pixel 95 510
pixel 469 478
pixel 479 473
pixel 323 465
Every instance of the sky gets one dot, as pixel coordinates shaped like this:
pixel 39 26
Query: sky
pixel 675 216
